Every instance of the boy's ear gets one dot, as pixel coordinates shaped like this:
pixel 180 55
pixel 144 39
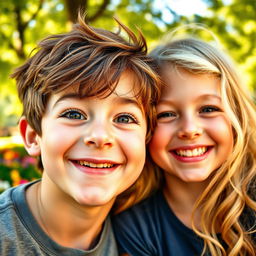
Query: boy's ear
pixel 30 137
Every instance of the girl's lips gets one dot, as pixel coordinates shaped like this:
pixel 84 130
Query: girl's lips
pixel 191 154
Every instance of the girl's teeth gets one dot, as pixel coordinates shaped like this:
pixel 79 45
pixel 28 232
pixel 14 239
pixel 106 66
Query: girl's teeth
pixel 193 152
pixel 93 165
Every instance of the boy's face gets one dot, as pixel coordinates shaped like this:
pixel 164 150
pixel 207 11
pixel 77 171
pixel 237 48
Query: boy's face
pixel 93 149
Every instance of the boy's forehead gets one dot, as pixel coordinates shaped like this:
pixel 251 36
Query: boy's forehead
pixel 126 86
pixel 114 97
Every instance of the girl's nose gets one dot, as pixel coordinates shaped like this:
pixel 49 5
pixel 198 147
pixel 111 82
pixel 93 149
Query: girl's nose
pixel 99 136
pixel 190 129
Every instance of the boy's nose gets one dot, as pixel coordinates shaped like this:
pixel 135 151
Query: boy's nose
pixel 190 129
pixel 99 137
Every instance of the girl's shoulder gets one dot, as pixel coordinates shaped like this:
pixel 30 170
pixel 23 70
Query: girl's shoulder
pixel 154 201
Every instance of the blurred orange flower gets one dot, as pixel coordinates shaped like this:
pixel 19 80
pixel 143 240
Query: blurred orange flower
pixel 15 176
pixel 10 155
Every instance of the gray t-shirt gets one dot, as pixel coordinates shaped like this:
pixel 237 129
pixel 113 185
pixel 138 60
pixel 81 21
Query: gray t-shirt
pixel 20 234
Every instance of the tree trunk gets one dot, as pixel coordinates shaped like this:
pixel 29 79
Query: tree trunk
pixel 73 6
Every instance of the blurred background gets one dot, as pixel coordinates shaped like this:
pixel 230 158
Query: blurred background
pixel 24 22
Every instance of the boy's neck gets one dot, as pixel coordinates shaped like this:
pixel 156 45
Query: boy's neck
pixel 67 224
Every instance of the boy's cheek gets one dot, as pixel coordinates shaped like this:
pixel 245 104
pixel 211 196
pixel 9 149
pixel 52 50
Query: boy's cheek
pixel 56 140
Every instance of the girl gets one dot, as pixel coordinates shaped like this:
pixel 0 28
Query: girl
pixel 204 144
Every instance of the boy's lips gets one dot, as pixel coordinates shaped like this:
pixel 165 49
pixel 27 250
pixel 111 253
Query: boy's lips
pixel 95 166
pixel 191 153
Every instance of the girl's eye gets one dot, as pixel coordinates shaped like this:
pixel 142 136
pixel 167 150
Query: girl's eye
pixel 73 114
pixel 209 109
pixel 165 115
pixel 125 118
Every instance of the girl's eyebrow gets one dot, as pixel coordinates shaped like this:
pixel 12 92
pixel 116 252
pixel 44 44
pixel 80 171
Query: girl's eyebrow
pixel 201 97
pixel 216 96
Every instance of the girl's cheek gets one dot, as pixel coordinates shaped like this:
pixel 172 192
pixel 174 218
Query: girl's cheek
pixel 160 137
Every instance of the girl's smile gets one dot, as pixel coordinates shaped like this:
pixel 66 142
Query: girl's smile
pixel 191 153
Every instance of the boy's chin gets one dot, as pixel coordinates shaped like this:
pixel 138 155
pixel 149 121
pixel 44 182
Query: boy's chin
pixel 95 198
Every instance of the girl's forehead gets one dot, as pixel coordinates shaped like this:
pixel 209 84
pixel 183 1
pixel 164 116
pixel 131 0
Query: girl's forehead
pixel 189 85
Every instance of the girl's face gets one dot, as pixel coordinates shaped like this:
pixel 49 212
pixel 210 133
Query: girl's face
pixel 193 136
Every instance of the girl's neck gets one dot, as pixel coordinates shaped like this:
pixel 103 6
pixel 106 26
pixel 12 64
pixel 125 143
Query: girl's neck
pixel 181 197
pixel 67 223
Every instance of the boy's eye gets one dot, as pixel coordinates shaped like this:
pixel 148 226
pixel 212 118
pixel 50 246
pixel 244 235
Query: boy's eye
pixel 165 115
pixel 73 114
pixel 125 118
pixel 209 109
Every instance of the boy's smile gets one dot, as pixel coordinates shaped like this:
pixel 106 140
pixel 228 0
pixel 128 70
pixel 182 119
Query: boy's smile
pixel 93 149
pixel 95 166
pixel 194 135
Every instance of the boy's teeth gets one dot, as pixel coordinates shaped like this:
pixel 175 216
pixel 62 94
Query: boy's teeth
pixel 191 152
pixel 93 165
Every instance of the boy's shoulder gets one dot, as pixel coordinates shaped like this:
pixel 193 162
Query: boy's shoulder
pixel 10 224
pixel 9 196
pixel 20 234
pixel 5 199
pixel 9 215
pixel 7 202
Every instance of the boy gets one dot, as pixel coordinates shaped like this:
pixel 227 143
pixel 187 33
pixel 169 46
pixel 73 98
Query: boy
pixel 87 97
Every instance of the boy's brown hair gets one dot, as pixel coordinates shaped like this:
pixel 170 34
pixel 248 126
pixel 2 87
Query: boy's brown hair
pixel 90 59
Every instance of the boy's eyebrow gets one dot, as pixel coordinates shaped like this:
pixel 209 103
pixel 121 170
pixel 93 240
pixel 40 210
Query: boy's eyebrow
pixel 65 96
pixel 121 100
pixel 126 100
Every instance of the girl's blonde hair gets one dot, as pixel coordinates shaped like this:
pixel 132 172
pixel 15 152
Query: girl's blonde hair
pixel 227 205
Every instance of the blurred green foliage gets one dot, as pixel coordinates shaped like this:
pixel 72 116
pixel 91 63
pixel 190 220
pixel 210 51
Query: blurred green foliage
pixel 24 22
